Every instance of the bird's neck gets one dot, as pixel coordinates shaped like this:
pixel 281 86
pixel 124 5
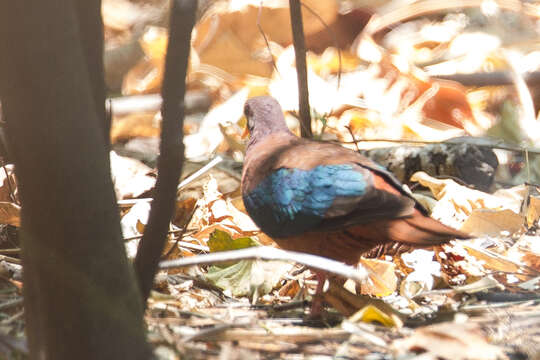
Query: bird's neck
pixel 263 133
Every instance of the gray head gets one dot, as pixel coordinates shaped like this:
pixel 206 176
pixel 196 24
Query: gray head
pixel 264 117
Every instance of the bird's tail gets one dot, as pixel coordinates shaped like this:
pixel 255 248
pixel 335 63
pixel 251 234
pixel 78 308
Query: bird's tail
pixel 420 230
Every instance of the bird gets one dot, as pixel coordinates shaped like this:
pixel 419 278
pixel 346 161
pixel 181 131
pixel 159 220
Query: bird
pixel 324 199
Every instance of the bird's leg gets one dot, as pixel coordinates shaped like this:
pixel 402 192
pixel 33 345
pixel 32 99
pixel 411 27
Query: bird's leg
pixel 318 298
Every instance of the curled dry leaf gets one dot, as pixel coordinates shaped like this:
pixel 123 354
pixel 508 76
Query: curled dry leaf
pixel 382 280
pixel 131 177
pixel 474 211
pixel 214 211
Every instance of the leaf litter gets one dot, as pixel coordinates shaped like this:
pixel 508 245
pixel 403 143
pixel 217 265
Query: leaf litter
pixel 471 299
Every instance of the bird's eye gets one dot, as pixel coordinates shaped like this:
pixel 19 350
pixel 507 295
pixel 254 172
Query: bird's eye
pixel 248 112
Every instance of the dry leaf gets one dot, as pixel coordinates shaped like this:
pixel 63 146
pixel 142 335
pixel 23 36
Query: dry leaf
pixel 138 124
pixel 146 76
pixel 493 223
pixel 130 176
pixel 252 278
pixel 229 38
pixel 210 137
pixel 449 341
pixel 533 210
pixel 371 313
pixel 10 213
pixel 491 260
pixel 382 279
pixel 422 277
pixel 132 224
pixel 8 184
pixel 456 202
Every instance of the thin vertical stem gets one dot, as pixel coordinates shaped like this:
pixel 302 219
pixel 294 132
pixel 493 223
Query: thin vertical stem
pixel 301 67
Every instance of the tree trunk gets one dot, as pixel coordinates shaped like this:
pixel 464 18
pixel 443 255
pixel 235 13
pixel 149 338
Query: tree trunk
pixel 81 298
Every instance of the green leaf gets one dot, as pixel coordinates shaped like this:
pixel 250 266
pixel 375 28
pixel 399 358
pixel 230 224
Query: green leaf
pixel 222 241
pixel 251 278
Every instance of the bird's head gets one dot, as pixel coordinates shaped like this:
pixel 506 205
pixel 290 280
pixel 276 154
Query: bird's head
pixel 264 117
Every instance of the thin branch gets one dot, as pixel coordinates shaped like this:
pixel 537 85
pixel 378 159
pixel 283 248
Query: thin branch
pixel 201 171
pixel 493 78
pixel 171 147
pixel 301 67
pixel 334 40
pixel 487 144
pixel 181 234
pixel 270 253
pixel 266 38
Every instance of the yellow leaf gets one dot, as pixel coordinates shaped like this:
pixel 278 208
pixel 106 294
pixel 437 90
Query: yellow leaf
pixel 371 313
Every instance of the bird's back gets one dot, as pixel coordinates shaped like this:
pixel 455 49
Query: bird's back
pixel 324 199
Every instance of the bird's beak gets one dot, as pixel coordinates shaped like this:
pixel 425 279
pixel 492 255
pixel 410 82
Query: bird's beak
pixel 245 133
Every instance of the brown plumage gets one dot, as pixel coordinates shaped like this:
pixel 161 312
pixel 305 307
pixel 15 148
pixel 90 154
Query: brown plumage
pixel 324 199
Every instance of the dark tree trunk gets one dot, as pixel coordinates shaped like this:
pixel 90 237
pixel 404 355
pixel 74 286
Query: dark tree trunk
pixel 171 147
pixel 81 298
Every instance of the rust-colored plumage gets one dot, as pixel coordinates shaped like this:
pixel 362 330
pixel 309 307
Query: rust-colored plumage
pixel 324 199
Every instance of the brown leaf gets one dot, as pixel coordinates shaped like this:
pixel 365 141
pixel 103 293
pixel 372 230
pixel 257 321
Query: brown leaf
pixel 10 213
pixel 449 341
pixel 382 277
pixel 230 39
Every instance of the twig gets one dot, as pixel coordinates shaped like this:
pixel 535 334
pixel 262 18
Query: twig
pixel 181 234
pixel 488 78
pixel 334 40
pixel 270 253
pixel 265 38
pixel 11 303
pixel 10 260
pixel 301 67
pixel 500 146
pixel 135 237
pixel 10 251
pixel 171 147
pixel 186 181
pixel 201 171
pixel 348 127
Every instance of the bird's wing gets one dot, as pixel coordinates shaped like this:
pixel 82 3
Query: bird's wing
pixel 290 201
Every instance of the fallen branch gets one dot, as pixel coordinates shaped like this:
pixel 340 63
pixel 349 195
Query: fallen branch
pixel 269 253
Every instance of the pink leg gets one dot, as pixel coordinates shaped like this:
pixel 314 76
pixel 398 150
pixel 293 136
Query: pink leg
pixel 317 302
